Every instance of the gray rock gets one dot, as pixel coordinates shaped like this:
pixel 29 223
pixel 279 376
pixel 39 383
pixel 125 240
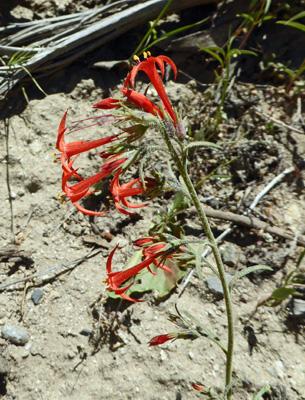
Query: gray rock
pixel 15 335
pixel 277 370
pixel 86 332
pixel 215 287
pixel 297 308
pixel 231 255
pixel 36 296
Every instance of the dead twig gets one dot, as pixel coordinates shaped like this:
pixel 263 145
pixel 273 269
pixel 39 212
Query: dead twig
pixel 6 134
pixel 253 223
pixel 278 122
pixel 59 269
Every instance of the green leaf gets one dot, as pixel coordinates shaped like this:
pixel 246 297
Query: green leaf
pixel 259 395
pixel 293 25
pixel 198 261
pixel 282 293
pixel 33 79
pixel 297 16
pixel 203 144
pixel 231 385
pixel 204 331
pixel 267 6
pixel 238 52
pixel 174 32
pixel 246 16
pixel 247 271
pixel 180 202
pixel 212 53
pixel 301 256
pixel 152 27
pixel 163 282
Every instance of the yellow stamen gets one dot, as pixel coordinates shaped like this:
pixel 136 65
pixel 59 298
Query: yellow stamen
pixel 148 53
pixel 136 58
pixel 63 202
pixel 59 198
pixel 145 55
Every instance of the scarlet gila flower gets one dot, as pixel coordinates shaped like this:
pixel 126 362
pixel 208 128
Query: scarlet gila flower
pixel 115 279
pixel 82 189
pixel 199 387
pixel 149 67
pixel 156 251
pixel 120 192
pixel 157 340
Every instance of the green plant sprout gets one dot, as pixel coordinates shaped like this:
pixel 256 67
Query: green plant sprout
pixel 150 39
pixel 292 23
pixel 18 60
pixel 288 289
pixel 224 58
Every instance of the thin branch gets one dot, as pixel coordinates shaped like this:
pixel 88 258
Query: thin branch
pixel 6 134
pixel 59 269
pixel 278 122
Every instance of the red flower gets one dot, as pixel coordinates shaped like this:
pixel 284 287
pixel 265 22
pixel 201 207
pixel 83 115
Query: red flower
pixel 149 67
pixel 71 149
pixel 107 104
pixel 121 192
pixel 199 387
pixel 155 253
pixel 162 339
pixel 141 101
pixel 115 279
pixel 82 188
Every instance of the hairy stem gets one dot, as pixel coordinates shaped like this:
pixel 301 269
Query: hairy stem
pixel 207 229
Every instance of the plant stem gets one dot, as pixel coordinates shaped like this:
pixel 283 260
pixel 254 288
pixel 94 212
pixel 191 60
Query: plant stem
pixel 221 271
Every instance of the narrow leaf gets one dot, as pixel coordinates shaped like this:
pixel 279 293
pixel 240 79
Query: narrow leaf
pixel 171 33
pixel 203 144
pixel 247 271
pixel 204 331
pixel 231 385
pixel 212 53
pixel 198 261
pixel 261 392
pixel 293 25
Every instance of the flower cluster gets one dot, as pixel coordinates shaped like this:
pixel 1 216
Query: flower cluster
pixel 118 156
pixel 117 161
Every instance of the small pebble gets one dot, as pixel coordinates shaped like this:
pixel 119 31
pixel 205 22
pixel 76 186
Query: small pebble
pixel 215 287
pixel 15 335
pixel 36 296
pixel 85 332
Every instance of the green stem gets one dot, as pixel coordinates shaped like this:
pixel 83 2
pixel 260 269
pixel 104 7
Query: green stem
pixel 216 253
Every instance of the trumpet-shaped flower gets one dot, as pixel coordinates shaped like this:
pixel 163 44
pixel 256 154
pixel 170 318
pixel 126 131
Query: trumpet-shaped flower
pixel 115 279
pixel 81 189
pixel 120 192
pixel 149 67
pixel 71 149
pixel 141 101
pixel 157 340
pixel 157 252
pixel 107 104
